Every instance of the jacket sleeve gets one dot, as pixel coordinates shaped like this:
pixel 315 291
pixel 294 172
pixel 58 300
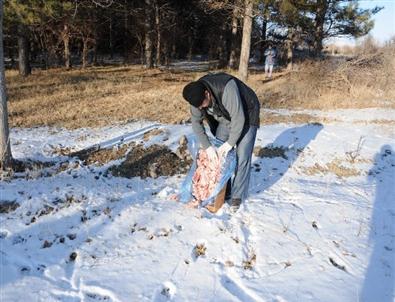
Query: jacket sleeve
pixel 232 102
pixel 198 128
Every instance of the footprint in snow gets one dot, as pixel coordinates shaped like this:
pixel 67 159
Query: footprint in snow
pixel 96 297
pixel 4 234
pixel 166 292
pixel 237 289
pixel 93 293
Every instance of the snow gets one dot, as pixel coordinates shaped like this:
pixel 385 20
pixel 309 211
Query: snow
pixel 300 236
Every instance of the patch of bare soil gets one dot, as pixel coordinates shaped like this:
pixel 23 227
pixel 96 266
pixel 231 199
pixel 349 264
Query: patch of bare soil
pixel 30 169
pixel 154 161
pixel 102 156
pixel 30 165
pixel 8 206
pixel 27 168
pixel 270 152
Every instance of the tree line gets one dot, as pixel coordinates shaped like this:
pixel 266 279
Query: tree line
pixel 48 33
pixel 155 32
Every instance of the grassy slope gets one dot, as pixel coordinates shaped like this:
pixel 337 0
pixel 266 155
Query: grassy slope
pixel 100 96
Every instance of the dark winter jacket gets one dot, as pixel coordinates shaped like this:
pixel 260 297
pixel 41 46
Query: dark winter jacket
pixel 216 83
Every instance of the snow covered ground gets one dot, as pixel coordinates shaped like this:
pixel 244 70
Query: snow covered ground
pixel 319 224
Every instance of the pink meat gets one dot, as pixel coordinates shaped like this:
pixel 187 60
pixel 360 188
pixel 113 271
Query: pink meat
pixel 206 176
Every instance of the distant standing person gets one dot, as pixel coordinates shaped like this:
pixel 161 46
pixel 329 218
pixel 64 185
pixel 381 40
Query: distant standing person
pixel 270 55
pixel 232 111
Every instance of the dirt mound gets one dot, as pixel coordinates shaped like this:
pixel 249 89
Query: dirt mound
pixel 102 156
pixel 154 161
pixel 27 168
pixel 8 206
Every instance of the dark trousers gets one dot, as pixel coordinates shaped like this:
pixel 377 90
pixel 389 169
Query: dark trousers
pixel 238 186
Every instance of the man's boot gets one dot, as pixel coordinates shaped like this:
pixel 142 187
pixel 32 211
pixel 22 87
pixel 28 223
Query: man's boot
pixel 235 205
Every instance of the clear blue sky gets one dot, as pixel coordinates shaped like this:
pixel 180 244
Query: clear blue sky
pixel 384 26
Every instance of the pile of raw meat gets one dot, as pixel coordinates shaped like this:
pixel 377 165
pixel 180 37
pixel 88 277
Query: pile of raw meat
pixel 206 176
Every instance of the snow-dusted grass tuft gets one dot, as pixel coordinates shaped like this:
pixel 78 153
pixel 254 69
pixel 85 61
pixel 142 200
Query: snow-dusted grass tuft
pixel 336 166
pixel 250 262
pixel 200 249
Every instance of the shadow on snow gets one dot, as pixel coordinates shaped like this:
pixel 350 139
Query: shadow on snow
pixel 293 141
pixel 379 280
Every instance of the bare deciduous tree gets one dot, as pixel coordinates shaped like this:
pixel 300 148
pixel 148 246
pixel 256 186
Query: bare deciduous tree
pixel 233 41
pixel 5 149
pixel 148 35
pixel 23 51
pixel 246 40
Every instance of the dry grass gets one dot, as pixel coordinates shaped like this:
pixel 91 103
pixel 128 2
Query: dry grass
pixel 249 263
pixel 336 166
pixel 268 118
pixel 361 82
pixel 96 96
pixel 199 250
pixel 100 96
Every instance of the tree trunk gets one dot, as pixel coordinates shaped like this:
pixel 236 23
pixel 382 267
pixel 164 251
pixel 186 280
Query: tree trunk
pixel 5 147
pixel 222 51
pixel 212 51
pixel 233 41
pixel 141 48
pixel 263 32
pixel 24 50
pixel 290 46
pixel 126 32
pixel 263 38
pixel 66 43
pixel 289 55
pixel 111 44
pixel 94 60
pixel 158 59
pixel 148 35
pixel 190 48
pixel 94 39
pixel 173 53
pixel 166 53
pixel 322 6
pixel 13 61
pixel 246 41
pixel 85 49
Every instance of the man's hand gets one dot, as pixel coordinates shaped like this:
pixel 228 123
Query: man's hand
pixel 212 154
pixel 224 149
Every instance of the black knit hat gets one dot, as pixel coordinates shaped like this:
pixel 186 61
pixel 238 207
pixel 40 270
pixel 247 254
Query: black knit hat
pixel 193 93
